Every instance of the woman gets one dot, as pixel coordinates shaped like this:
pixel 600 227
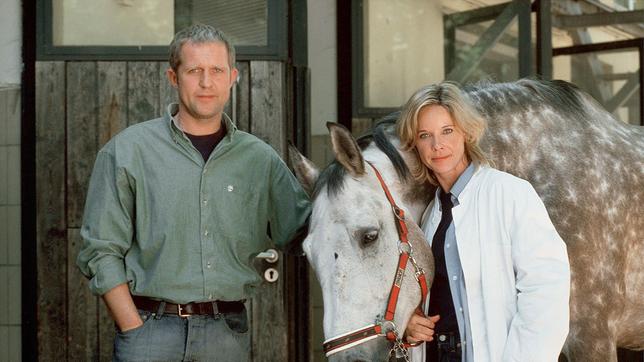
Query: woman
pixel 502 280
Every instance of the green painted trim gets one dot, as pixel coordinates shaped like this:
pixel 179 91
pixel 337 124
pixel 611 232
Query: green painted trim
pixel 524 13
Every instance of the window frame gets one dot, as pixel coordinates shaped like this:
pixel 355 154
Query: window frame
pixel 359 108
pixel 45 49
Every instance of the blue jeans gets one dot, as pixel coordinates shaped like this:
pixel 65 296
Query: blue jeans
pixel 196 338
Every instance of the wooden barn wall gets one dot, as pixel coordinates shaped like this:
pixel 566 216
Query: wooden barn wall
pixel 79 107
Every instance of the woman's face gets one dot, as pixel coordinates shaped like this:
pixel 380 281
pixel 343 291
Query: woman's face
pixel 441 145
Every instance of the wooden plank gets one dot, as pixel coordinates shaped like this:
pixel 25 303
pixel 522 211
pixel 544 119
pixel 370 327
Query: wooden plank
pixel 598 19
pixel 167 93
pixel 625 93
pixel 51 228
pixel 82 142
pixel 267 122
pixel 82 318
pixel 112 100
pixel 475 54
pixel 267 103
pixel 143 91
pixel 479 15
pixel 241 112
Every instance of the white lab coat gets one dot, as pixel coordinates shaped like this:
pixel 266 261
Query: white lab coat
pixel 515 266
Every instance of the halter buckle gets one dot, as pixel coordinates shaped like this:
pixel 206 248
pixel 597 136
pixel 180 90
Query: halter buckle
pixel 405 248
pixel 387 326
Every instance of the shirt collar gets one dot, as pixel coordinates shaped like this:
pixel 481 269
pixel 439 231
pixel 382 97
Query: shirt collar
pixel 460 183
pixel 177 131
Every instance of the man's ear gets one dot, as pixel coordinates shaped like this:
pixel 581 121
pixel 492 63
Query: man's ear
pixel 172 77
pixel 234 73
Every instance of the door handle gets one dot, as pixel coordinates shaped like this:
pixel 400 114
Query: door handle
pixel 269 255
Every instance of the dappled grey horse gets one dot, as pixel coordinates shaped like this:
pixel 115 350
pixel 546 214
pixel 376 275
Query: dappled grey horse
pixel 587 167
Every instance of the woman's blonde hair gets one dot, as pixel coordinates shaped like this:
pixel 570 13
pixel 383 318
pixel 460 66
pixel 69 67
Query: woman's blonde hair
pixel 466 118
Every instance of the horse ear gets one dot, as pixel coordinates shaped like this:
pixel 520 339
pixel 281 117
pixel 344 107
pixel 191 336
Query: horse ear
pixel 305 170
pixel 346 149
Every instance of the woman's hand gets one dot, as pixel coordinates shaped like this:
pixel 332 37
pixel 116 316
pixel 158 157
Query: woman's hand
pixel 421 328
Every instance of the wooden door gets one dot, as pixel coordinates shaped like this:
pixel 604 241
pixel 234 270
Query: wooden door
pixel 79 107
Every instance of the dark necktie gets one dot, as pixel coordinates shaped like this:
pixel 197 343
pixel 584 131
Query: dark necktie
pixel 440 301
pixel 438 242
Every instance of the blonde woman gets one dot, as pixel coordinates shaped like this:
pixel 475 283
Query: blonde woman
pixel 502 275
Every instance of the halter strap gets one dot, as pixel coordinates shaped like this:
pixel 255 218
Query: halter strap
pixel 386 327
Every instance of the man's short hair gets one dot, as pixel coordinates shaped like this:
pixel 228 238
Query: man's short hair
pixel 199 34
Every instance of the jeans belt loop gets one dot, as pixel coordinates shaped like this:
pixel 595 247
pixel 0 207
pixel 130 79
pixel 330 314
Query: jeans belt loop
pixel 215 310
pixel 160 310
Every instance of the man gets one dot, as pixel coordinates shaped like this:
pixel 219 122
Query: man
pixel 176 210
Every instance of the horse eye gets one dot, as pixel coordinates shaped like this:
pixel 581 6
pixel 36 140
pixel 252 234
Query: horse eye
pixel 369 237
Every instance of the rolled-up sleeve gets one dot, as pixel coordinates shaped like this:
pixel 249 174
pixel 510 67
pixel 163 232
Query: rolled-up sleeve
pixel 107 225
pixel 289 204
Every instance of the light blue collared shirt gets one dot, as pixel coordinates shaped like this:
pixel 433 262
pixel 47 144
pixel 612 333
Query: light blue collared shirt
pixel 454 269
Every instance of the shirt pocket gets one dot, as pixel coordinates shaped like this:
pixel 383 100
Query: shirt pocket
pixel 238 211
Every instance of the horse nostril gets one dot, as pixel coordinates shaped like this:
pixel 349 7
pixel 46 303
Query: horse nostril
pixel 336 256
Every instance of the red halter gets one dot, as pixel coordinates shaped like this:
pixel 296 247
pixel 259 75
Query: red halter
pixel 386 327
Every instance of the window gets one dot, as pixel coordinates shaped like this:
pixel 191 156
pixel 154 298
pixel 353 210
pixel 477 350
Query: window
pixel 142 29
pixel 400 50
pixel 406 44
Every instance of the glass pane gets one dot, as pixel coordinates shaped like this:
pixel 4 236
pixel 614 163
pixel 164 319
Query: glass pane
pixel 403 49
pixel 245 22
pixel 611 77
pixel 152 22
pixel 500 63
pixel 112 22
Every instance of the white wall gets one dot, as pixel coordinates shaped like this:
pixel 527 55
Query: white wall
pixel 10 42
pixel 322 62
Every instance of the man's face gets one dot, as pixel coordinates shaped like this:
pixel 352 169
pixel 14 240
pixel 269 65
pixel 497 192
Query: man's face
pixel 203 81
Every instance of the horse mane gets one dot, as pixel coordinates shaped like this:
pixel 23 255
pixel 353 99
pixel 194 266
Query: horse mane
pixel 493 99
pixel 333 175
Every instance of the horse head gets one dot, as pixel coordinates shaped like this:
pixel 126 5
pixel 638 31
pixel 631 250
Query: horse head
pixel 353 241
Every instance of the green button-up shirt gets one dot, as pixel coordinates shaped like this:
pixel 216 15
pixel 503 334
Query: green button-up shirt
pixel 180 229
